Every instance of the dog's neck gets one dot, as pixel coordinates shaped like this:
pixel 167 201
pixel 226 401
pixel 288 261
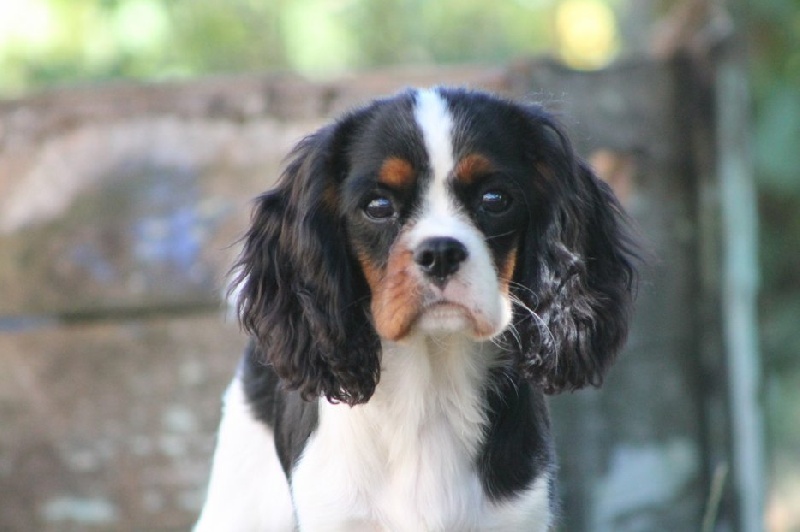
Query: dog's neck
pixel 420 433
pixel 432 383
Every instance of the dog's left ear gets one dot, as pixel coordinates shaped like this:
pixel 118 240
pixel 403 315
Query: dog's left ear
pixel 577 275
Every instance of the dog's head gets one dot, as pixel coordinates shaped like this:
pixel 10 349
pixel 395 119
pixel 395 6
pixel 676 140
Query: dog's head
pixel 436 212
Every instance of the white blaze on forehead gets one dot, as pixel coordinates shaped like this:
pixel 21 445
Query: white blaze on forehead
pixel 436 124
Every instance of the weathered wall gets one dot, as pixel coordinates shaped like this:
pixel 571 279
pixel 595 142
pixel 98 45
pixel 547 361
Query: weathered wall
pixel 118 208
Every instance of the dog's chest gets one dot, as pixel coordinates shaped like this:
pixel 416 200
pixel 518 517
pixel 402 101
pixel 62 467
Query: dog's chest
pixel 406 459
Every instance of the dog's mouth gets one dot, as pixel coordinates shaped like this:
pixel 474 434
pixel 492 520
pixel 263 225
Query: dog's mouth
pixel 444 310
pixel 446 316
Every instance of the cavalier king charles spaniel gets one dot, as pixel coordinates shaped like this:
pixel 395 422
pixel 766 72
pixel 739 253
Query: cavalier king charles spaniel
pixel 428 268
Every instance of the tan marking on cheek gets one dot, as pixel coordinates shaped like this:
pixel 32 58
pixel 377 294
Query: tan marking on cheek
pixel 507 267
pixel 472 167
pixel 372 272
pixel 396 301
pixel 396 172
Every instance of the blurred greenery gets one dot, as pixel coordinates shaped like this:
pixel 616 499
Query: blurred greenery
pixel 43 42
pixel 49 42
pixel 774 28
pixel 46 42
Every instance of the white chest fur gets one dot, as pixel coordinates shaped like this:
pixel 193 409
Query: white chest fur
pixel 405 461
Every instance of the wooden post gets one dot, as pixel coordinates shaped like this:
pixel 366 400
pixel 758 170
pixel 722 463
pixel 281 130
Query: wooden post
pixel 740 286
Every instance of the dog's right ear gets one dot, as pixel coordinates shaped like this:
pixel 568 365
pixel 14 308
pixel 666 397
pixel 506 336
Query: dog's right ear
pixel 301 293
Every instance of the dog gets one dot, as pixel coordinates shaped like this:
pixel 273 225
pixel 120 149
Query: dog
pixel 428 269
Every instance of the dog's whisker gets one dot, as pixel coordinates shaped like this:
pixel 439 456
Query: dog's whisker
pixel 501 235
pixel 540 323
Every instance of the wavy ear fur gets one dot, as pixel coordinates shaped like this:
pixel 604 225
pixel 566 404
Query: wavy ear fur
pixel 300 293
pixel 577 273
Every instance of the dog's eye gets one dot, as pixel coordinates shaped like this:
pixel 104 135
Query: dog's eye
pixel 495 201
pixel 379 208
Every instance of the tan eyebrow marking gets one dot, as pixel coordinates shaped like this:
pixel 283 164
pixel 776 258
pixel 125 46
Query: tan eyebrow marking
pixel 396 173
pixel 473 166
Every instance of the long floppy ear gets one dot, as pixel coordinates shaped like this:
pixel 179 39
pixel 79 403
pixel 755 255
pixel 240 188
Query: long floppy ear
pixel 300 293
pixel 577 275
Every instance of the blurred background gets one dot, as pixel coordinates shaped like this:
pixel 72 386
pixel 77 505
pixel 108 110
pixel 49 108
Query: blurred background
pixel 113 344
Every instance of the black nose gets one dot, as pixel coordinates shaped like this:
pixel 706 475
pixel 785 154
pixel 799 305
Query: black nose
pixel 440 257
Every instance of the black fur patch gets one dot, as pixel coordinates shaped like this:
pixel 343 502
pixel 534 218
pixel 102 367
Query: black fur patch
pixel 518 446
pixel 291 418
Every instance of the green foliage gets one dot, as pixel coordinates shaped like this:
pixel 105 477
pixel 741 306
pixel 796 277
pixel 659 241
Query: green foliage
pixel 225 36
pixel 775 50
pixel 775 36
pixel 775 46
pixel 53 41
pixel 415 31
pixel 95 40
pixel 778 138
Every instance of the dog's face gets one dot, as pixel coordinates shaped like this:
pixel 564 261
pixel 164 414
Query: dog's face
pixel 436 212
pixel 435 220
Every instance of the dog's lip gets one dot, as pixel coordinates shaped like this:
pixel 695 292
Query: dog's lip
pixel 443 305
pixel 446 309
